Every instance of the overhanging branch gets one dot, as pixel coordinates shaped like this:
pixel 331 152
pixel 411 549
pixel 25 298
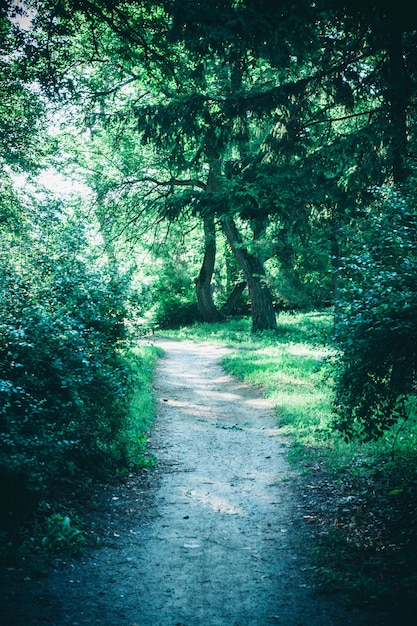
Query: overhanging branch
pixel 171 182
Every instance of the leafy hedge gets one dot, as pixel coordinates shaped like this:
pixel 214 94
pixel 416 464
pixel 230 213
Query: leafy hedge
pixel 65 384
pixel 377 323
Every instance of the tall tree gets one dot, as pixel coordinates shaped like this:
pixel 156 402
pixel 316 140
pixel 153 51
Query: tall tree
pixel 204 289
pixel 318 88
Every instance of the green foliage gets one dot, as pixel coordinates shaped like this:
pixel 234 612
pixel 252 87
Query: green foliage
pixel 171 295
pixel 65 383
pixel 58 534
pixel 376 324
pixel 133 434
pixel 300 108
pixel 21 107
pixel 172 91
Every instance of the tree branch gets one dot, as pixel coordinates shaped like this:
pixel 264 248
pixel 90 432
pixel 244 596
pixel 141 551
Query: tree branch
pixel 172 182
pixel 342 118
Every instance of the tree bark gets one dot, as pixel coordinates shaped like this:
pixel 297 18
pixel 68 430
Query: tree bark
pixel 263 314
pixel 335 254
pixel 206 306
pixel 231 302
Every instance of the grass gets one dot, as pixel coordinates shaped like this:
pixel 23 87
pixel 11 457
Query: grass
pixel 292 366
pixel 361 496
pixel 142 411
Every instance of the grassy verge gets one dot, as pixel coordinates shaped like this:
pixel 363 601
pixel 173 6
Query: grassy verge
pixel 361 498
pixel 142 411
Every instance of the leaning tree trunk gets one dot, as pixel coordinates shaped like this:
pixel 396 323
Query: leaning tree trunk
pixel 262 310
pixel 232 300
pixel 206 306
pixel 263 314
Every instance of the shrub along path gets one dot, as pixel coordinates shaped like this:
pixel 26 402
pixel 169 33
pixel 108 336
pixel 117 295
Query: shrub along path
pixel 213 535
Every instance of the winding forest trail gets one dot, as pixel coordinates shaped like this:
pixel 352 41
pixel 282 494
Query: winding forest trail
pixel 214 537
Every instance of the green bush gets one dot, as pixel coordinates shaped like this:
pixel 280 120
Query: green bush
pixel 59 533
pixel 65 384
pixel 173 294
pixel 377 323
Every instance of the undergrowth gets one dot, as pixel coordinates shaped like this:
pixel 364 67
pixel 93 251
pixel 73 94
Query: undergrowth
pixel 53 523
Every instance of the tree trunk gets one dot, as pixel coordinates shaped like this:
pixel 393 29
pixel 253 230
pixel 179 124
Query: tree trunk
pixel 206 306
pixel 231 302
pixel 335 254
pixel 263 314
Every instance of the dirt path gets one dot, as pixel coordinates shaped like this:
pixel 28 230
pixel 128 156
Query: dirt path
pixel 215 537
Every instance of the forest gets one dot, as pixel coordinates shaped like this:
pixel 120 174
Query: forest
pixel 226 164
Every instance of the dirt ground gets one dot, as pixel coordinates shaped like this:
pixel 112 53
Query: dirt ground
pixel 213 535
